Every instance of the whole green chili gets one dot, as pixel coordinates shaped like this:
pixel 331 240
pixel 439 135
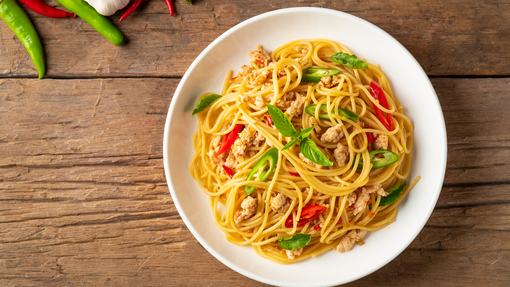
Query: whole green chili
pixel 96 20
pixel 18 21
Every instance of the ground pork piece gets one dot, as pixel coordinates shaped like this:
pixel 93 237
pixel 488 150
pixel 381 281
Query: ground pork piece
pixel 302 49
pixel 286 101
pixel 341 155
pixel 217 160
pixel 245 71
pixel 351 199
pixel 349 239
pixel 247 138
pixel 257 78
pixel 315 124
pixel 260 56
pixel 291 254
pixel 376 188
pixel 249 206
pixel 266 86
pixel 361 202
pixel 231 161
pixel 330 82
pixel 364 196
pixel 216 141
pixel 296 108
pixel 309 162
pixel 280 203
pixel 226 126
pixel 333 134
pixel 381 142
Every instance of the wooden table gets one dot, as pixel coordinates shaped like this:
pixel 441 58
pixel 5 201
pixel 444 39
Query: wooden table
pixel 83 197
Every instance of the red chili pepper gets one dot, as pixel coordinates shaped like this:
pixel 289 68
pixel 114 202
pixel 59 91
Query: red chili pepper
pixel 131 9
pixel 294 173
pixel 44 9
pixel 269 120
pixel 370 139
pixel 351 208
pixel 371 214
pixel 317 226
pixel 233 78
pixel 308 214
pixel 228 171
pixel 170 6
pixel 339 221
pixel 377 92
pixel 229 139
pixel 259 61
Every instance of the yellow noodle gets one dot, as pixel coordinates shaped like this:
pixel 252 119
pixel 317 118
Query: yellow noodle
pixel 243 101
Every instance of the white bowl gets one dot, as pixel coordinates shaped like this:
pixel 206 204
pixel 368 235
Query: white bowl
pixel 410 84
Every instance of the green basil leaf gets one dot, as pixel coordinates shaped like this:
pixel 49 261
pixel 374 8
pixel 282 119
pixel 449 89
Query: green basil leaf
pixel 308 148
pixel 306 132
pixel 188 1
pixel 282 123
pixel 204 103
pixel 291 143
pixel 393 194
pixel 349 61
pixel 296 241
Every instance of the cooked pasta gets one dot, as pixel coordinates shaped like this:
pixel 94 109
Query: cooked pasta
pixel 342 176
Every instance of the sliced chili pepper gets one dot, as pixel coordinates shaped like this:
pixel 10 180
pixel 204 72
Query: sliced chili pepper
pixel 44 9
pixel 342 112
pixel 351 208
pixel 229 139
pixel 269 120
pixel 370 139
pixel 308 214
pixel 262 169
pixel 314 75
pixel 20 24
pixel 339 221
pixel 131 9
pixel 294 173
pixel 170 6
pixel 95 20
pixel 228 171
pixel 317 226
pixel 371 215
pixel 377 162
pixel 377 92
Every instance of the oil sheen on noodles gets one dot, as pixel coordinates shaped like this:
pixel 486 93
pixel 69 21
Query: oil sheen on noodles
pixel 351 208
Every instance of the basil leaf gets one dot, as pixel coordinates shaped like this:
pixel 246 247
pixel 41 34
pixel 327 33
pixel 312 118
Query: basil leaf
pixel 291 143
pixel 308 148
pixel 393 194
pixel 296 241
pixel 188 1
pixel 282 123
pixel 349 61
pixel 204 103
pixel 306 132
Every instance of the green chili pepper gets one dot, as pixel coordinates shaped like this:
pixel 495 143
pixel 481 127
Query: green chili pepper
pixel 378 162
pixel 18 21
pixel 96 20
pixel 342 112
pixel 314 75
pixel 262 169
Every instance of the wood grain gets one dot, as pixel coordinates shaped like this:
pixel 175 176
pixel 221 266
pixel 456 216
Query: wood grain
pixel 83 198
pixel 446 37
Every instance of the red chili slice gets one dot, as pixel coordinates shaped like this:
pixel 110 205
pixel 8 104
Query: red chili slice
pixel 294 173
pixel 269 120
pixel 228 171
pixel 229 139
pixel 377 92
pixel 308 214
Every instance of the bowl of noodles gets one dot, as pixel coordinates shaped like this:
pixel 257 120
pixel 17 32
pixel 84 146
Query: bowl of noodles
pixel 301 156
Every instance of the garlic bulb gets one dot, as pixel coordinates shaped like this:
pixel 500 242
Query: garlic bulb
pixel 107 7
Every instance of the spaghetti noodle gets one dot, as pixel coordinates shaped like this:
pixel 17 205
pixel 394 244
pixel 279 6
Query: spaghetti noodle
pixel 334 183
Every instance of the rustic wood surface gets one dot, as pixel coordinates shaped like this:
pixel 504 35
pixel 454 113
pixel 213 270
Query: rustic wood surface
pixel 83 197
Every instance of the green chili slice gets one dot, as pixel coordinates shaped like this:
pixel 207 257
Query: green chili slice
pixel 262 169
pixel 342 112
pixel 314 75
pixel 387 158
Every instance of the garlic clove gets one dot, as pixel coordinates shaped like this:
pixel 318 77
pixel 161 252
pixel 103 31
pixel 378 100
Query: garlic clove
pixel 107 7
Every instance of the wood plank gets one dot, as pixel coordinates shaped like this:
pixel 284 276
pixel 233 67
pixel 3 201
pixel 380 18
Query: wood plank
pixel 453 38
pixel 83 198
